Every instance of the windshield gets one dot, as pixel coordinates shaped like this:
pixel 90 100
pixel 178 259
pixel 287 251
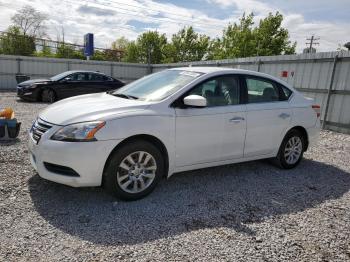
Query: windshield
pixel 157 86
pixel 60 76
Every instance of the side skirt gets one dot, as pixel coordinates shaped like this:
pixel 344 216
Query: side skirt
pixel 220 163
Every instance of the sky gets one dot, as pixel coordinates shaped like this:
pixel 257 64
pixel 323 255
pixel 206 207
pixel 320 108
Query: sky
pixel 111 19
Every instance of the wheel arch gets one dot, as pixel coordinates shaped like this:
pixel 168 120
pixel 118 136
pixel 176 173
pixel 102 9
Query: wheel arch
pixel 44 88
pixel 303 131
pixel 144 137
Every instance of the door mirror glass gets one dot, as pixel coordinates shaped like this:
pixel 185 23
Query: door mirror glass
pixel 195 101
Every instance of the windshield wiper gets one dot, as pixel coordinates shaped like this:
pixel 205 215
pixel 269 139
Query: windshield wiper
pixel 124 96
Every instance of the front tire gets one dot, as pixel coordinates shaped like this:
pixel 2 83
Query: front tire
pixel 48 95
pixel 291 150
pixel 134 170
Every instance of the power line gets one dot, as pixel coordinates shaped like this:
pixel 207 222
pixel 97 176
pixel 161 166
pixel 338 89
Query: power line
pixel 72 17
pixel 170 20
pixel 163 11
pixel 135 12
pixel 43 40
pixel 165 19
pixel 312 42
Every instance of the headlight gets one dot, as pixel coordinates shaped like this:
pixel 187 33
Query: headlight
pixel 81 132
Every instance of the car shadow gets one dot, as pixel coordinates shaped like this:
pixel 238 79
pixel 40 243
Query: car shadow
pixel 231 196
pixel 10 141
pixel 19 100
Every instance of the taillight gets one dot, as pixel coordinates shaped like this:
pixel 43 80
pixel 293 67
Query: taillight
pixel 317 109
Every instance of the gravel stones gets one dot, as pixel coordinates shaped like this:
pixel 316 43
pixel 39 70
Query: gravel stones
pixel 245 212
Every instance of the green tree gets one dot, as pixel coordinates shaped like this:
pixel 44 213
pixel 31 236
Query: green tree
pixel 99 55
pixel 150 44
pixel 272 38
pixel 119 48
pixel 169 54
pixel 188 45
pixel 68 51
pixel 45 51
pixel 237 41
pixel 13 42
pixel 120 44
pixel 132 53
pixel 243 39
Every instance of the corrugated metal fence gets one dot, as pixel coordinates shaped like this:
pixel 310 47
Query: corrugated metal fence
pixel 37 67
pixel 322 76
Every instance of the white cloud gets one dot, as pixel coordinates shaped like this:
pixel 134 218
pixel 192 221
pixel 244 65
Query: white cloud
pixel 109 19
pixel 331 34
pixel 247 6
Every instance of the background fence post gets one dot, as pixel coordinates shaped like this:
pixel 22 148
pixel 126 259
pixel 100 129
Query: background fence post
pixel 18 66
pixel 329 92
pixel 68 65
pixel 259 64
pixel 150 68
pixel 111 70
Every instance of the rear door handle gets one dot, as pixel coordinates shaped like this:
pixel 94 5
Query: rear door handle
pixel 284 115
pixel 237 119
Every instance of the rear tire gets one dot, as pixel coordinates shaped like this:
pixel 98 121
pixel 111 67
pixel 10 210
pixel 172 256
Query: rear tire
pixel 133 170
pixel 291 150
pixel 48 95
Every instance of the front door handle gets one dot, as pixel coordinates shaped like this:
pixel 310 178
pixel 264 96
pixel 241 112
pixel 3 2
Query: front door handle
pixel 284 115
pixel 237 119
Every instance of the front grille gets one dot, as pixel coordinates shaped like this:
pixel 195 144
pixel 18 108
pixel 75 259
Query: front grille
pixel 39 128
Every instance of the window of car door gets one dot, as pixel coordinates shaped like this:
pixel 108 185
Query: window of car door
pixel 96 78
pixel 78 77
pixel 261 90
pixel 219 91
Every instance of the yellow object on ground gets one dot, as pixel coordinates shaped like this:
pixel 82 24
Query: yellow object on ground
pixel 7 113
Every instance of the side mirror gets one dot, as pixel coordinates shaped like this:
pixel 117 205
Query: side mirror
pixel 195 101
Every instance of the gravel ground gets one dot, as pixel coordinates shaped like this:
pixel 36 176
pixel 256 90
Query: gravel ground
pixel 244 212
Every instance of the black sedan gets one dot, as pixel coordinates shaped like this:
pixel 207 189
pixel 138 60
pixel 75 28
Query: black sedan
pixel 67 84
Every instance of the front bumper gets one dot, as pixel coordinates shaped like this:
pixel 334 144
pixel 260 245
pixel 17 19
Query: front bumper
pixel 87 159
pixel 27 93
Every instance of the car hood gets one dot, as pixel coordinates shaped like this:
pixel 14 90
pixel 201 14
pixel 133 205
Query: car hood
pixel 34 81
pixel 89 108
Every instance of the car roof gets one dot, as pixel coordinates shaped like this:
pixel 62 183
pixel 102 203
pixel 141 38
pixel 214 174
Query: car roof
pixel 84 71
pixel 203 69
pixel 215 69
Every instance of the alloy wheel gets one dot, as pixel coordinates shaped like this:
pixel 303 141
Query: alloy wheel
pixel 293 150
pixel 136 172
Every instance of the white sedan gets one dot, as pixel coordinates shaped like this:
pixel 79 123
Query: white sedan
pixel 175 120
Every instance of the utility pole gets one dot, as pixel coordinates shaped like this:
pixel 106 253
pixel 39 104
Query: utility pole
pixel 149 51
pixel 312 42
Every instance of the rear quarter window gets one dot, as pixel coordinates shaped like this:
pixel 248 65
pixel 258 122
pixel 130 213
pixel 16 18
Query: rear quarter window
pixel 285 93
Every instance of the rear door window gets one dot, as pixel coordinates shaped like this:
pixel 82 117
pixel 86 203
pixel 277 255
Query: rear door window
pixel 261 90
pixel 96 77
